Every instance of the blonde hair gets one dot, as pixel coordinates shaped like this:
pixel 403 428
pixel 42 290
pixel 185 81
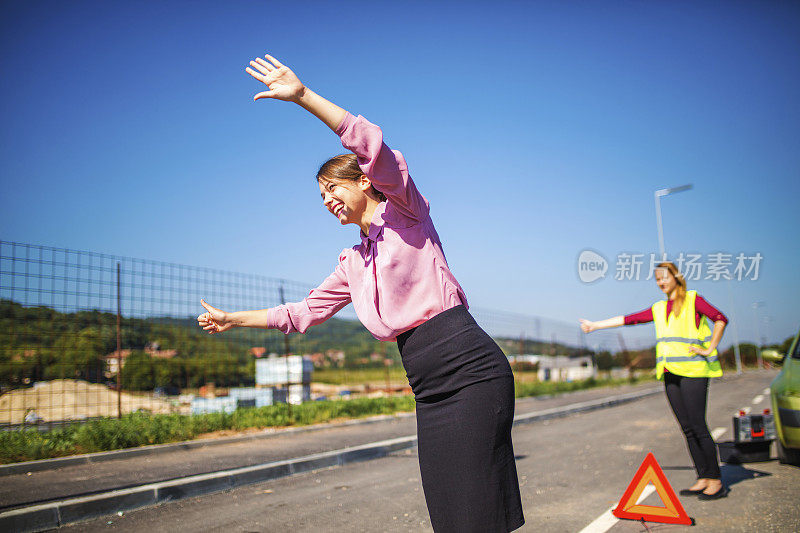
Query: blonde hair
pixel 680 290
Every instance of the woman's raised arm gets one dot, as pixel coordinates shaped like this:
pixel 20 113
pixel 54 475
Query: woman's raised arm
pixel 285 85
pixel 385 168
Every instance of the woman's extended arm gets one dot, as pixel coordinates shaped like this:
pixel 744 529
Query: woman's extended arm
pixel 587 326
pixel 285 85
pixel 321 303
pixel 216 320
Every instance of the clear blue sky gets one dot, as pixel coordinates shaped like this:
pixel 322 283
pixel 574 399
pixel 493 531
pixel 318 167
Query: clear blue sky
pixel 535 129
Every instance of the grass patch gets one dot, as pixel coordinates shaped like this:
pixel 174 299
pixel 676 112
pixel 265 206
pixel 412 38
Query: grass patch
pixel 541 388
pixel 341 376
pixel 140 429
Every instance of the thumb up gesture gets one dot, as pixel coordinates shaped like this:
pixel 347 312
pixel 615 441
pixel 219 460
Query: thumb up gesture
pixel 214 320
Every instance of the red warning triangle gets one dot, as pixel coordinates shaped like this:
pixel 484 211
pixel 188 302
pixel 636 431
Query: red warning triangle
pixel 650 472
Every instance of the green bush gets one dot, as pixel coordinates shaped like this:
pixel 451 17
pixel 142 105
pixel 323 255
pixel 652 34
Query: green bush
pixel 30 444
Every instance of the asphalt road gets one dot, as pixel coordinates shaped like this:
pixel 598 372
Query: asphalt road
pixel 572 470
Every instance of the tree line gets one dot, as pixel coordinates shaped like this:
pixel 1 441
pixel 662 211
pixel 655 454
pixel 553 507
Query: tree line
pixel 40 344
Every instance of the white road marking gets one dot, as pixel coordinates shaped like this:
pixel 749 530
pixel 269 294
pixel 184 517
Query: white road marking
pixel 758 399
pixel 717 433
pixel 606 521
pixel 765 391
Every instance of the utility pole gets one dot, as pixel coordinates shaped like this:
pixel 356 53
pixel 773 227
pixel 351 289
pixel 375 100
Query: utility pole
pixel 658 195
pixel 736 353
pixel 756 305
pixel 386 363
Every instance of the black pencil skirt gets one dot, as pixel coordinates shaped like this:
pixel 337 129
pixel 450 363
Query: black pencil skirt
pixel 464 391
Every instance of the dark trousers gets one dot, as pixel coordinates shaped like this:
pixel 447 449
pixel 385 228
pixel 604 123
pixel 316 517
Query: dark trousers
pixel 687 397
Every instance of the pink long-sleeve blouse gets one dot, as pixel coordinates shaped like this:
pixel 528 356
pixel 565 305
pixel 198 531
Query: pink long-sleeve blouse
pixel 397 277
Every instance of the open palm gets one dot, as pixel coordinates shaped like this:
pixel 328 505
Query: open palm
pixel 282 82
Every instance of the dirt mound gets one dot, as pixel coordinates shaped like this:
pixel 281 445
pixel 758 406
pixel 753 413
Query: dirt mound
pixel 70 399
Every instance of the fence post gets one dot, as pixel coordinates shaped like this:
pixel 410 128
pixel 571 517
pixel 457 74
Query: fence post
pixel 119 349
pixel 286 355
pixel 386 366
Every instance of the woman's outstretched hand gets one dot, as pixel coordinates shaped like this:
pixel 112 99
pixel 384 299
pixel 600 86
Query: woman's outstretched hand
pixel 282 82
pixel 587 326
pixel 215 320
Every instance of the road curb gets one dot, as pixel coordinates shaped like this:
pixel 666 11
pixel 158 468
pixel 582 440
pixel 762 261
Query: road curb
pixel 582 407
pixel 59 513
pixel 56 514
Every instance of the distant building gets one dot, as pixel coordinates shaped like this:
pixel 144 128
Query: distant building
pixel 563 368
pixel 113 359
pixel 318 360
pixel 559 367
pixel 526 358
pixel 328 359
pixel 280 370
pixel 160 354
pixel 336 357
pixel 26 355
pixel 258 351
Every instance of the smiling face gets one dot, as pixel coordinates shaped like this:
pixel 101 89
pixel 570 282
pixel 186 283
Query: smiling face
pixel 665 280
pixel 345 199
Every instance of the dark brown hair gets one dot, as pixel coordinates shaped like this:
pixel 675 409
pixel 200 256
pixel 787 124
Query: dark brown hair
pixel 680 293
pixel 343 167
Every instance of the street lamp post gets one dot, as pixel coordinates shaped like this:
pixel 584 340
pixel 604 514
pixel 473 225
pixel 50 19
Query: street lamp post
pixel 736 352
pixel 756 305
pixel 659 194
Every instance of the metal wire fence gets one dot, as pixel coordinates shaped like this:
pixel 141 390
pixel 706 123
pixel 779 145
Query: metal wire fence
pixel 86 335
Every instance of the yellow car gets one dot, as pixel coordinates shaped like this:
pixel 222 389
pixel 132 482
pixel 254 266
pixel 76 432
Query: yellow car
pixel 785 395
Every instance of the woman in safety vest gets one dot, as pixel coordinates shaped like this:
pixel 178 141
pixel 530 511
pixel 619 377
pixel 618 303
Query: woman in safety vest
pixel 686 356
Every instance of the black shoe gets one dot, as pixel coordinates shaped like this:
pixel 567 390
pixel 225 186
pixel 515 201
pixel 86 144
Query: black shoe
pixel 690 492
pixel 721 493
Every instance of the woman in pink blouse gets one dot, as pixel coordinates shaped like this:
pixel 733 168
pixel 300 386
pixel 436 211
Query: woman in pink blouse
pixel 401 287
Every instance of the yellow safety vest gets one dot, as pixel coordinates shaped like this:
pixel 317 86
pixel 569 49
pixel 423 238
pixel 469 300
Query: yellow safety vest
pixel 674 335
